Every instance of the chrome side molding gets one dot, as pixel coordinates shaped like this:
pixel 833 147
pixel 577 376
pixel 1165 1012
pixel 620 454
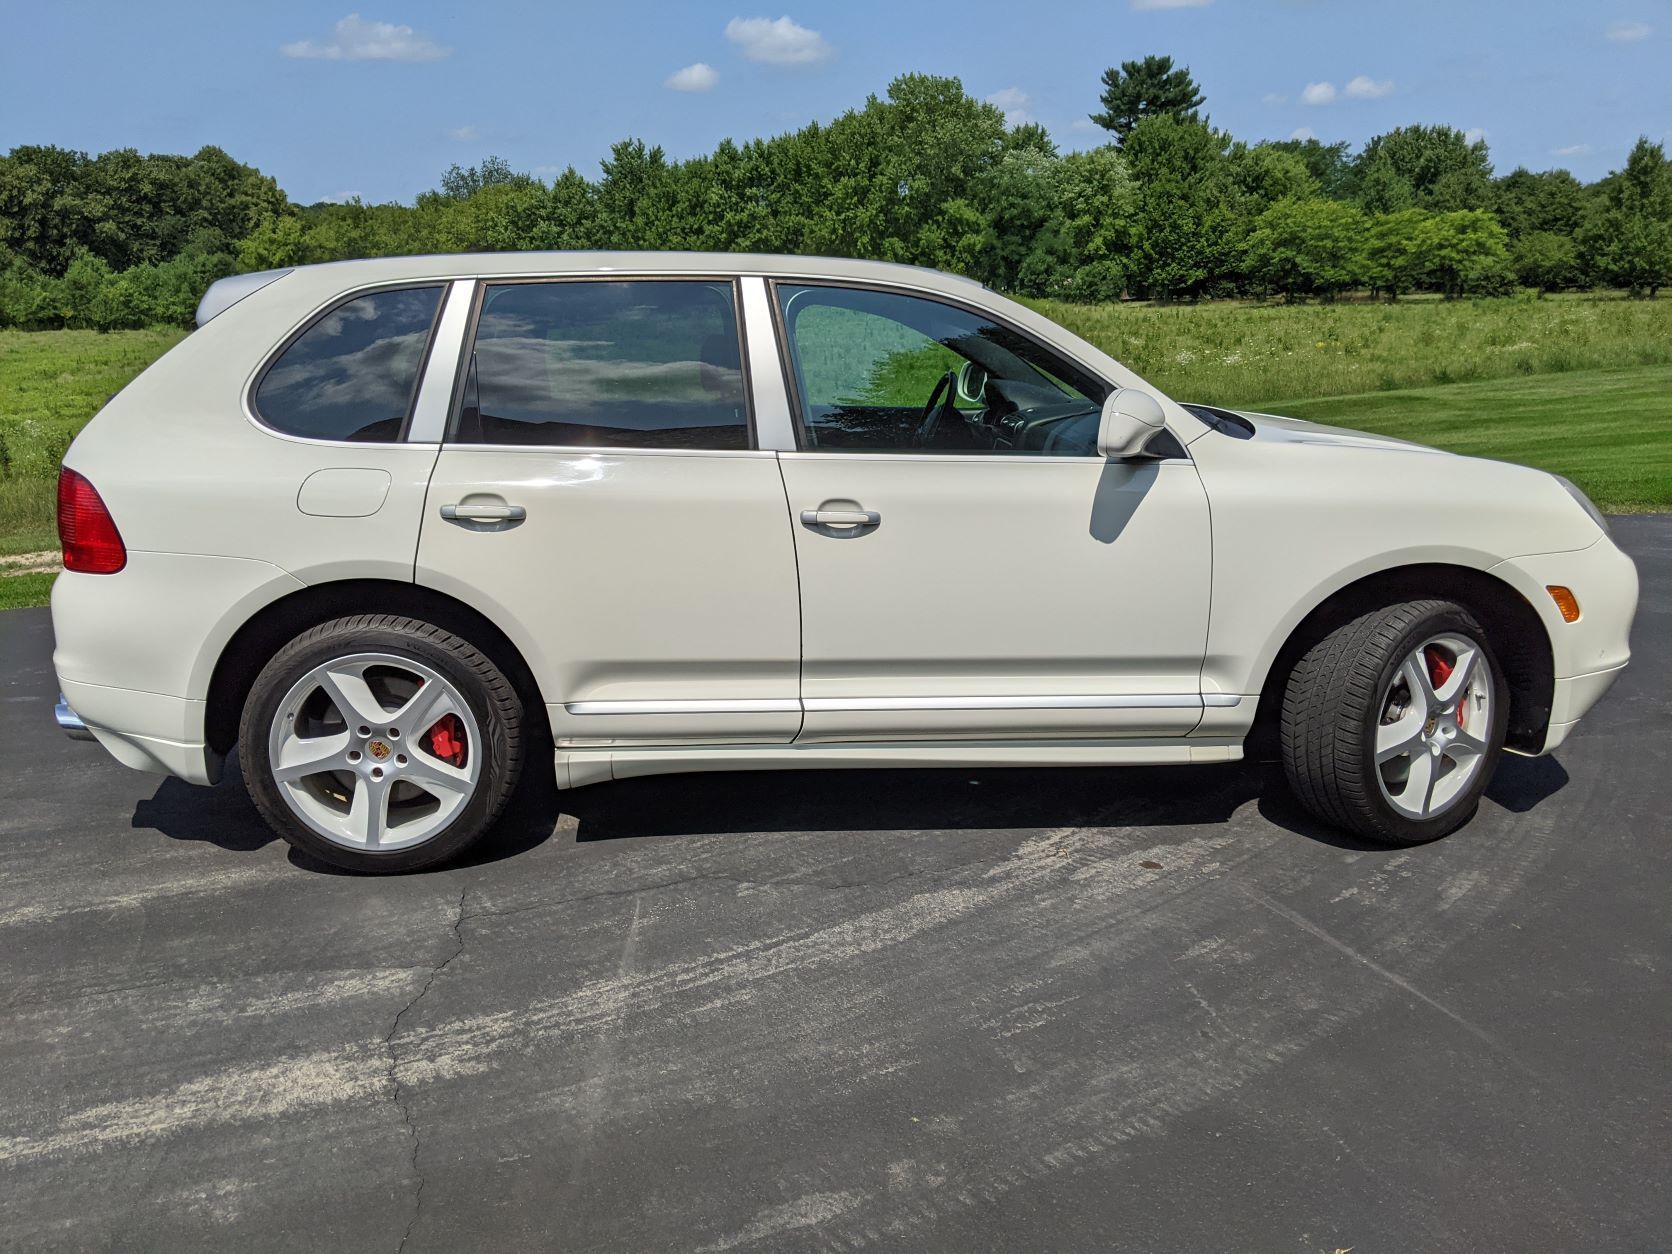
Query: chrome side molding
pixel 786 705
pixel 69 722
pixel 820 705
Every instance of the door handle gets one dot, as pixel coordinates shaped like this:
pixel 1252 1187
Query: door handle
pixel 483 513
pixel 840 518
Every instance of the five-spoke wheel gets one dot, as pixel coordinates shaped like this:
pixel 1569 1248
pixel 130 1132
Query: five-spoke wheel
pixel 1392 723
pixel 380 743
pixel 1436 715
pixel 372 751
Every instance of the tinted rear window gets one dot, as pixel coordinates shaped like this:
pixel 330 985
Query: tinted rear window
pixel 353 374
pixel 642 363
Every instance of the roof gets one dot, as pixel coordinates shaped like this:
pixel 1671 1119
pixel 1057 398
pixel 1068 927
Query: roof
pixel 229 291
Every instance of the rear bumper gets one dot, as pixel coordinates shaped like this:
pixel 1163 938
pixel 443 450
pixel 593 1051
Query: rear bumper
pixel 144 730
pixel 135 651
pixel 69 722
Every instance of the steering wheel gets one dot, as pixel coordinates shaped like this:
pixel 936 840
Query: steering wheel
pixel 935 410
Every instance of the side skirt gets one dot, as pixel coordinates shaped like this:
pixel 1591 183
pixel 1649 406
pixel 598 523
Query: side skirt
pixel 576 767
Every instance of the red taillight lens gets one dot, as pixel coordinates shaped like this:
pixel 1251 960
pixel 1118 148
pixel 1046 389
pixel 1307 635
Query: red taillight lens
pixel 87 532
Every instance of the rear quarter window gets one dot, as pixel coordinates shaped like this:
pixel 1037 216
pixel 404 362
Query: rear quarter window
pixel 353 373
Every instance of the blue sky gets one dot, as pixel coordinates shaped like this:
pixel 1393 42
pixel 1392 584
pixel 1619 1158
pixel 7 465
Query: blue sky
pixel 376 97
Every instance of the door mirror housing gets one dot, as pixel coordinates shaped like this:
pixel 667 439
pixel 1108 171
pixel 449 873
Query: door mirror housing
pixel 1131 419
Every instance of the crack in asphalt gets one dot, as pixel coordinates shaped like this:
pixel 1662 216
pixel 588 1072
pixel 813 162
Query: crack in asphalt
pixel 395 1064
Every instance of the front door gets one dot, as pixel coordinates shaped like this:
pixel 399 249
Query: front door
pixel 969 567
pixel 600 499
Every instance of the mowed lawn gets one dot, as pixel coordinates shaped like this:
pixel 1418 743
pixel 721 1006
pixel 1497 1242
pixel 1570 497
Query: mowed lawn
pixel 1610 431
pixel 1579 385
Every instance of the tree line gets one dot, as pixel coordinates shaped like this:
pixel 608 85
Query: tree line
pixel 1170 208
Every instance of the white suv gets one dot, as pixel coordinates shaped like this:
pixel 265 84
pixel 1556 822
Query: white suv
pixel 395 528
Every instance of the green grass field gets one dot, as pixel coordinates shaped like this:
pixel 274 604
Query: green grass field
pixel 1610 431
pixel 51 383
pixel 1248 355
pixel 1579 385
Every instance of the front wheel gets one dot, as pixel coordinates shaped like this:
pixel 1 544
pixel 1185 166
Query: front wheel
pixel 380 743
pixel 1393 724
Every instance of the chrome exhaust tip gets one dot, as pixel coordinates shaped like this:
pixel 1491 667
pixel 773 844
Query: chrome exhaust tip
pixel 69 722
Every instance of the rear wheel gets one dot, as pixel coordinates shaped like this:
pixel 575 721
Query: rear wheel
pixel 380 743
pixel 1392 725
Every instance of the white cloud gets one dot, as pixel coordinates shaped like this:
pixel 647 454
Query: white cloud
pixel 341 198
pixel 354 39
pixel 1142 5
pixel 1572 150
pixel 1302 133
pixel 1628 32
pixel 698 77
pixel 1318 93
pixel 1084 124
pixel 1014 102
pixel 781 42
pixel 1475 134
pixel 1274 98
pixel 1366 88
pixel 461 133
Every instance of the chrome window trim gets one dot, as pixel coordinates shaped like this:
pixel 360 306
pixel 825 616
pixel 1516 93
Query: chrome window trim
pixel 468 350
pixel 774 420
pixel 435 388
pixel 607 450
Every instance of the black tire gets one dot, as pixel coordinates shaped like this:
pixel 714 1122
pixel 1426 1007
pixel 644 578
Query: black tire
pixel 492 698
pixel 1332 706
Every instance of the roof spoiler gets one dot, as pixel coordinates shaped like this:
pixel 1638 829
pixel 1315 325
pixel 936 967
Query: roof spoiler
pixel 223 294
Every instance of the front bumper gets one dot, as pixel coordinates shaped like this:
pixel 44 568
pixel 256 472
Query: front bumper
pixel 1587 655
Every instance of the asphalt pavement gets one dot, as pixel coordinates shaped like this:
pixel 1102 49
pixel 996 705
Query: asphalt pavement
pixel 1150 1009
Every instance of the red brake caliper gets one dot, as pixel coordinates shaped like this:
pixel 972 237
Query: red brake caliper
pixel 446 740
pixel 1439 670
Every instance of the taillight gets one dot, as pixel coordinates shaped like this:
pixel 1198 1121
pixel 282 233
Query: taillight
pixel 87 532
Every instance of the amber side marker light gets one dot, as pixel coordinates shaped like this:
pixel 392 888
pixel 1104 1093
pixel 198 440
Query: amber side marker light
pixel 1565 601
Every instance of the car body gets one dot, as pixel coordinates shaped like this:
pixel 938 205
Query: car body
pixel 686 505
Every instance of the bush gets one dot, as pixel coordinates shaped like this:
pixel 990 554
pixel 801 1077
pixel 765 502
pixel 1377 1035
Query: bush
pixel 25 296
pixel 30 449
pixel 1096 283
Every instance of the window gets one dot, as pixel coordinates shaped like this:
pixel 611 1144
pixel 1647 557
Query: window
pixel 353 374
pixel 636 364
pixel 881 371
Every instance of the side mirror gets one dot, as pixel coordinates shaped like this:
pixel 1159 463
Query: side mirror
pixel 1130 420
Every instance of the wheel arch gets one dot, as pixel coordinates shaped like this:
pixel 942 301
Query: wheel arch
pixel 1514 631
pixel 279 621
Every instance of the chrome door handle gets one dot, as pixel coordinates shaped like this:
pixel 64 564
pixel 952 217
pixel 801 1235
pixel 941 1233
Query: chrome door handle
pixel 483 513
pixel 840 518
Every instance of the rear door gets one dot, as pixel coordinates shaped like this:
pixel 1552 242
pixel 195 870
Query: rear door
pixel 599 496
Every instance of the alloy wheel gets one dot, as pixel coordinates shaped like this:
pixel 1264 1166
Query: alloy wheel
pixel 374 751
pixel 1434 726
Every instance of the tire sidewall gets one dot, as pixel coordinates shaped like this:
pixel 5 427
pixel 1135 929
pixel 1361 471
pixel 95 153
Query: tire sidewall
pixel 1395 823
pixel 313 649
